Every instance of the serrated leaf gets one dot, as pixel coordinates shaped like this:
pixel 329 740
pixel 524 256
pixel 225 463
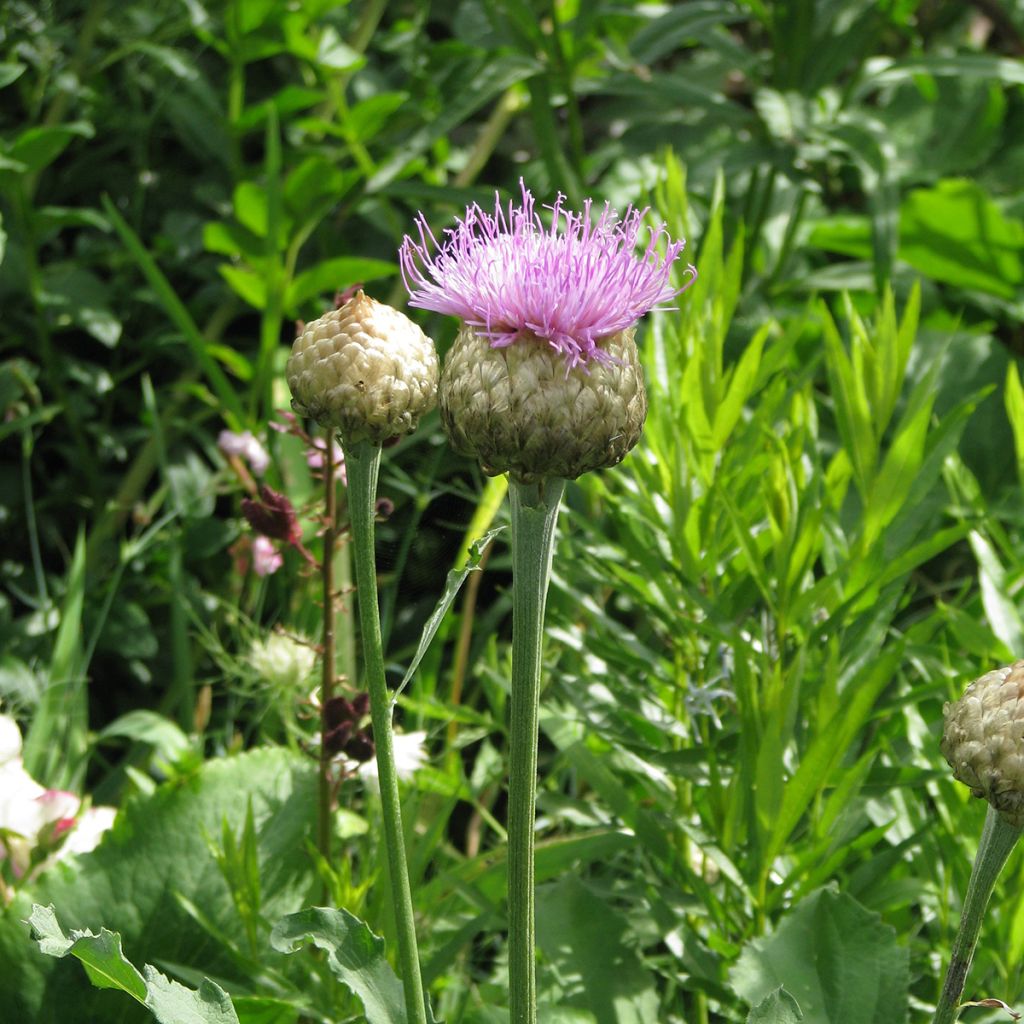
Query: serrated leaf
pixel 173 1003
pixel 101 955
pixel 836 959
pixel 354 954
pixel 778 1007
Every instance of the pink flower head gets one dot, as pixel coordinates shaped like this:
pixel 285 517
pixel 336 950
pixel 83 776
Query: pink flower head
pixel 573 283
pixel 245 446
pixel 266 559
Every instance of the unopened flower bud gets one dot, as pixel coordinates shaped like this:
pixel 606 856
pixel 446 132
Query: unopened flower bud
pixel 365 369
pixel 521 409
pixel 983 740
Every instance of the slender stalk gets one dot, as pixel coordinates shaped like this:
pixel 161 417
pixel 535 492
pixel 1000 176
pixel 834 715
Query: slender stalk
pixel 324 790
pixel 362 462
pixel 997 840
pixel 534 515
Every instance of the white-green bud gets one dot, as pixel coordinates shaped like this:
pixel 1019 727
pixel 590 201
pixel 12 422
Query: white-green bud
pixel 365 369
pixel 983 740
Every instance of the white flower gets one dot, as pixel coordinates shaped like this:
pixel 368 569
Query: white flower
pixel 282 661
pixel 88 830
pixel 410 757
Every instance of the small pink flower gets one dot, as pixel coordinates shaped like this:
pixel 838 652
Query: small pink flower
pixel 245 446
pixel 266 559
pixel 315 457
pixel 573 283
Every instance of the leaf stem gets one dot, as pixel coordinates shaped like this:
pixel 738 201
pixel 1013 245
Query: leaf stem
pixel 362 462
pixel 534 515
pixel 997 841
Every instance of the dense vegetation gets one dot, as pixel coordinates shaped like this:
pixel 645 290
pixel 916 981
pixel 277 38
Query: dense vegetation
pixel 755 620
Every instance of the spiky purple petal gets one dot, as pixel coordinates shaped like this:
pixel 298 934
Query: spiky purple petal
pixel 572 283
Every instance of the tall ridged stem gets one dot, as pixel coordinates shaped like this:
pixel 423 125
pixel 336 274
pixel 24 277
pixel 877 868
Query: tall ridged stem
pixel 534 515
pixel 325 787
pixel 998 839
pixel 362 462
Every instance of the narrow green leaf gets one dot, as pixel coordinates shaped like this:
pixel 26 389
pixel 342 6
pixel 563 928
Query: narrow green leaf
pixel 334 275
pixel 456 577
pixel 179 315
pixel 1013 399
pixel 1000 608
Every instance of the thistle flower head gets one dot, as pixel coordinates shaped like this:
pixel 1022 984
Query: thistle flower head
pixel 983 740
pixel 572 284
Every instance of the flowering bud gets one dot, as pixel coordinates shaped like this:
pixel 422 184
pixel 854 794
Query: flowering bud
pixel 983 740
pixel 521 410
pixel 544 378
pixel 365 369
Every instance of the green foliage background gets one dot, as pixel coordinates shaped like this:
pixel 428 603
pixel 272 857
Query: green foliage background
pixel 755 620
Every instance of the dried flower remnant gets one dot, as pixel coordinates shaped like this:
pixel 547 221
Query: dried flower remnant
pixel 544 379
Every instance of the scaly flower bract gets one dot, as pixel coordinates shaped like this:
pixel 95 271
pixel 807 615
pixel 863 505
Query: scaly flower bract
pixel 572 283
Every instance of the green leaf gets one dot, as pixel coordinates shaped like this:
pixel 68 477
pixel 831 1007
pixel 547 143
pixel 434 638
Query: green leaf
pixel 157 850
pixel 74 295
pixel 38 147
pixel 107 967
pixel 955 233
pixel 1013 398
pixel 179 315
pixel 1000 608
pixel 160 732
pixel 778 1007
pixel 173 1003
pixel 10 73
pixel 250 203
pixel 246 284
pixel 453 583
pixel 585 940
pixel 836 959
pixel 101 954
pixel 335 275
pixel 354 954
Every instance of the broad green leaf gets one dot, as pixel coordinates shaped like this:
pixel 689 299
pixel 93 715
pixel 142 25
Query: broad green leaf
pixel 838 961
pixel 107 967
pixel 778 1007
pixel 74 295
pixel 149 727
pixel 157 850
pixel 354 954
pixel 585 940
pixel 173 1003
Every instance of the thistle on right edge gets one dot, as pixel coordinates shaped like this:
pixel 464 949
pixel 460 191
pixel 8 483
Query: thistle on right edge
pixel 983 741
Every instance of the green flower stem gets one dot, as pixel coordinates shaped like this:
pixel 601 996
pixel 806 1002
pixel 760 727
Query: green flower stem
pixel 534 514
pixel 325 786
pixel 997 840
pixel 362 462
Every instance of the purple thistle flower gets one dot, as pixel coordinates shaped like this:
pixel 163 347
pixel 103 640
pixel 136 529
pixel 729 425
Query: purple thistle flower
pixel 573 283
